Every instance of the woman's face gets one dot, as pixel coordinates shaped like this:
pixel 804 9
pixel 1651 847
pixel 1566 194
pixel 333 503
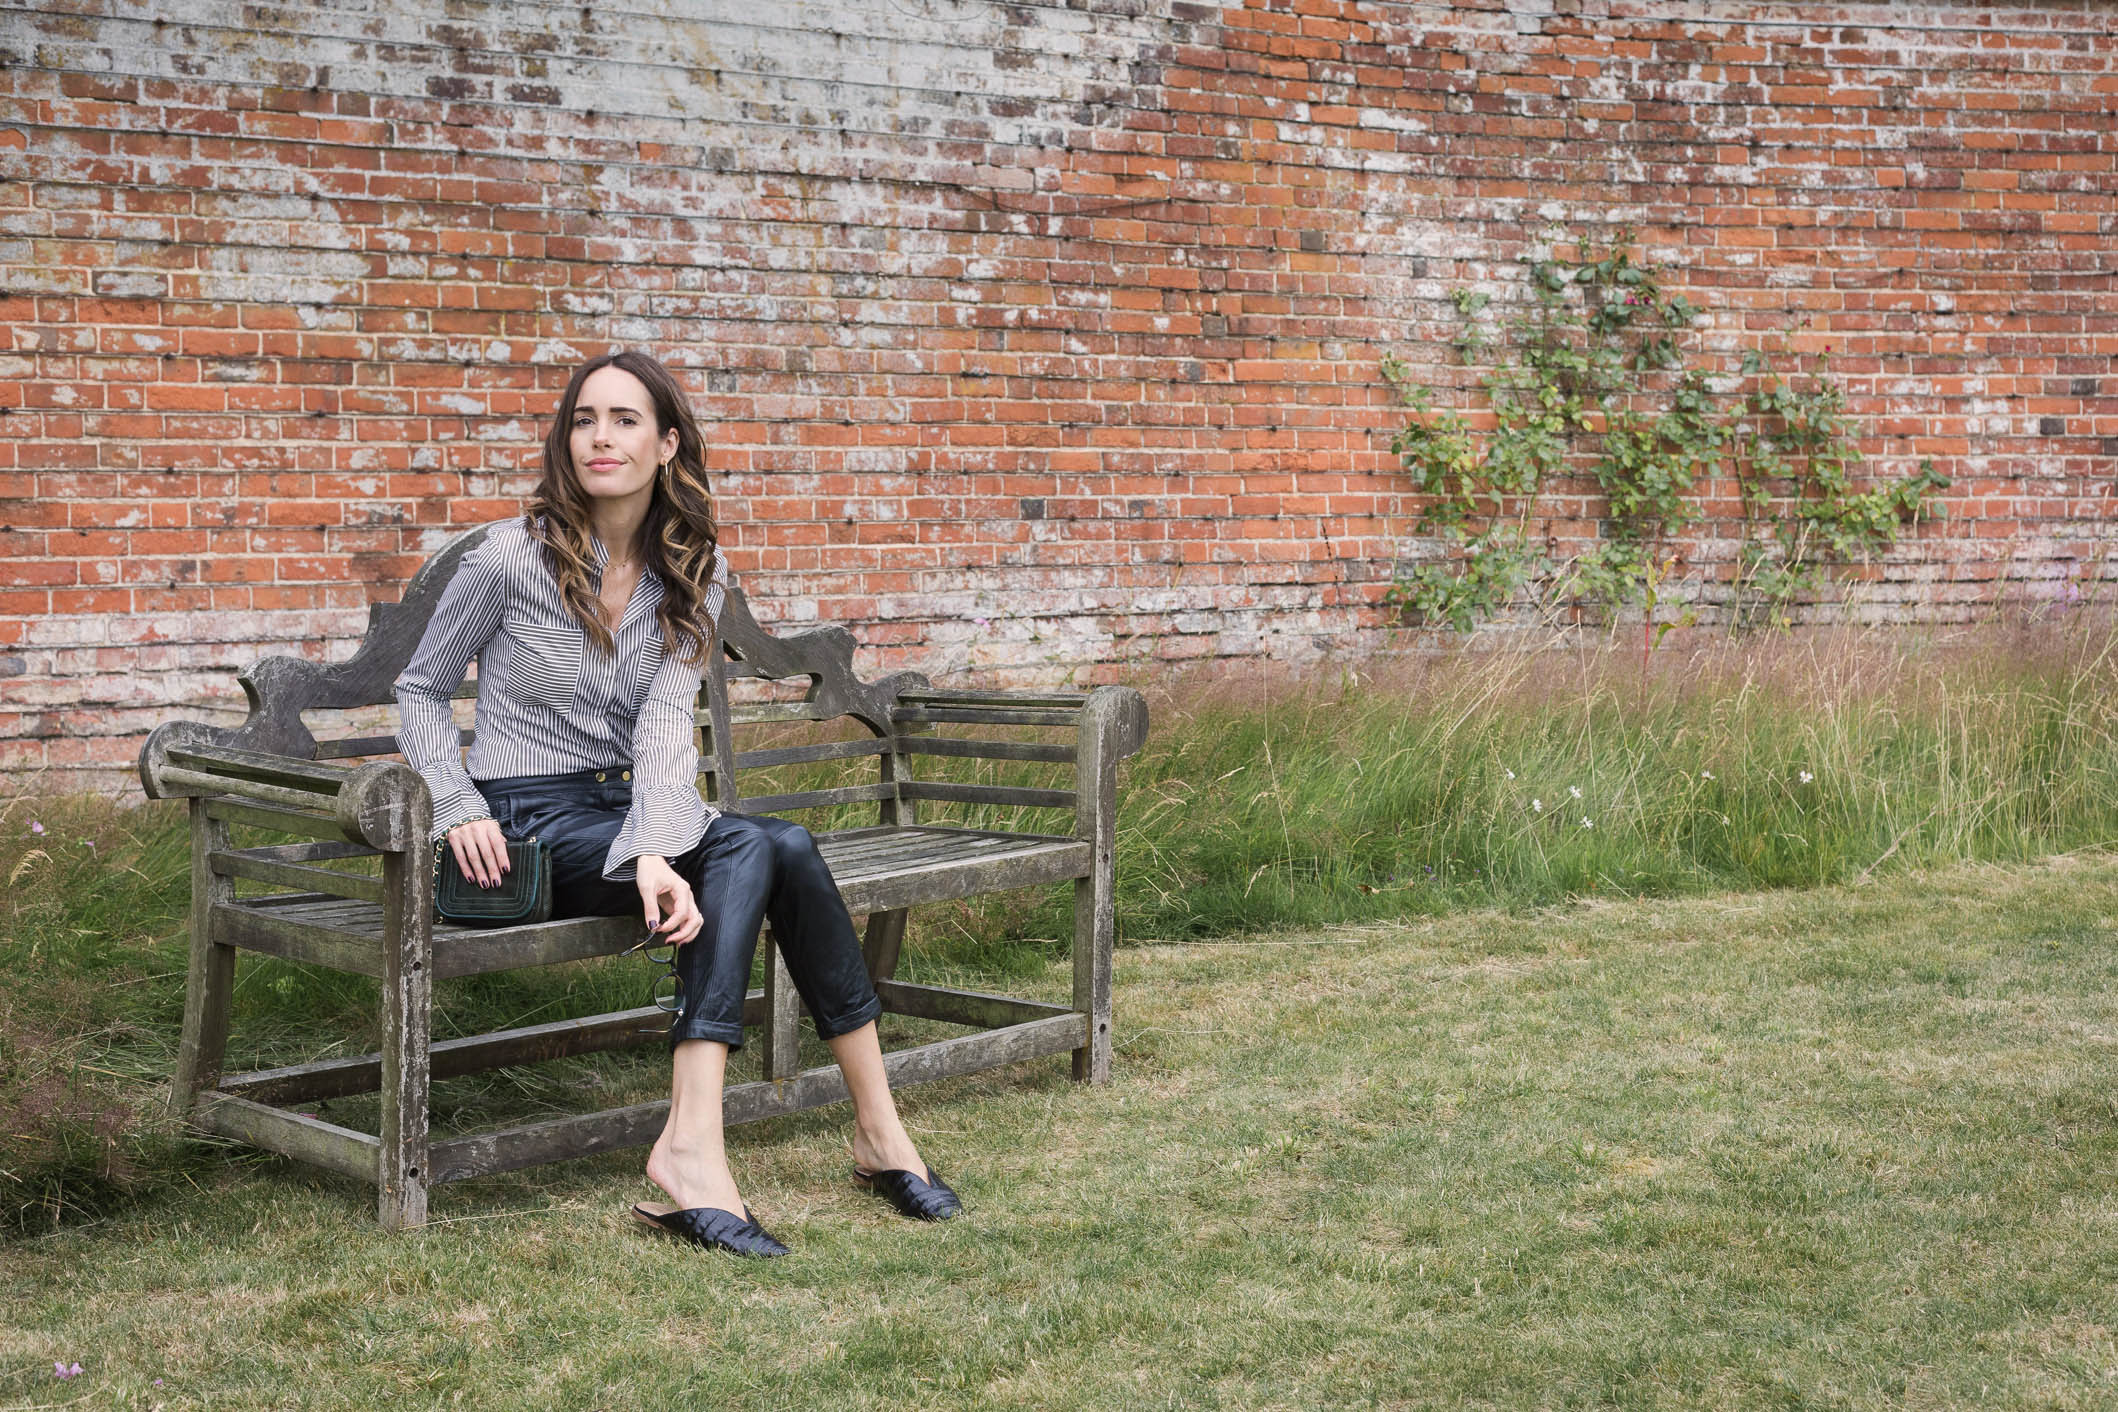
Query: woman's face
pixel 615 446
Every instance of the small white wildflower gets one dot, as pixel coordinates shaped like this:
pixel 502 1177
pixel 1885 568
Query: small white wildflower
pixel 1537 805
pixel 1807 777
pixel 1511 774
pixel 1706 774
pixel 1588 823
pixel 1573 791
pixel 1724 821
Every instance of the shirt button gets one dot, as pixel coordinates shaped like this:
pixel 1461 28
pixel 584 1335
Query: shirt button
pixel 626 775
pixel 599 777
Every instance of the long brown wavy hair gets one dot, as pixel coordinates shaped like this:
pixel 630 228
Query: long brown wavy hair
pixel 677 538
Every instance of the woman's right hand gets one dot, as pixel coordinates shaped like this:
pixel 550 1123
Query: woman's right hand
pixel 481 851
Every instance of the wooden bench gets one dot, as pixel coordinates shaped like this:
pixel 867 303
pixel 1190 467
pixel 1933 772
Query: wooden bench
pixel 271 774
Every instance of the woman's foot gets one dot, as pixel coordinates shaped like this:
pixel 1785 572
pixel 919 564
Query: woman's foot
pixel 693 1178
pixel 885 1149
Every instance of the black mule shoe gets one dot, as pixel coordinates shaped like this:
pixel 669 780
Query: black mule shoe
pixel 711 1228
pixel 923 1198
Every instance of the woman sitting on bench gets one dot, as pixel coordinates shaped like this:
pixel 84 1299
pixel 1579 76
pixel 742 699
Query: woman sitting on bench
pixel 590 618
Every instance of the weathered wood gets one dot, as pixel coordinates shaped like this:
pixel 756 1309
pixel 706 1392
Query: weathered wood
pixel 884 941
pixel 783 1016
pixel 966 746
pixel 265 816
pixel 281 688
pixel 940 881
pixel 1112 726
pixel 209 986
pixel 980 716
pixel 407 1015
pixel 268 774
pixel 1009 795
pixel 327 1145
pixel 450 1058
pixel 308 852
pixel 470 952
pixel 816 798
pixel 177 781
pixel 484 1153
pixel 383 803
pixel 939 696
pixel 253 929
pixel 754 713
pixel 718 740
pixel 961 1007
pixel 810 754
pixel 238 865
pixel 256 765
pixel 354 746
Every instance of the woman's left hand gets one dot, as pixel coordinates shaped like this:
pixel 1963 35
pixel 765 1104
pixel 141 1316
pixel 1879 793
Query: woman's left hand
pixel 666 900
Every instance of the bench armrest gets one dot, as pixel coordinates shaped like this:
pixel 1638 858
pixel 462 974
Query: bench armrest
pixel 1110 723
pixel 1118 714
pixel 384 804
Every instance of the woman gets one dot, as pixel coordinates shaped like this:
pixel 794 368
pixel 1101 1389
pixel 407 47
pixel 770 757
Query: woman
pixel 590 618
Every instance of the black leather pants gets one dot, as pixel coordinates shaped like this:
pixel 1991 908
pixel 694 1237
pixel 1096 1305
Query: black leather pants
pixel 746 870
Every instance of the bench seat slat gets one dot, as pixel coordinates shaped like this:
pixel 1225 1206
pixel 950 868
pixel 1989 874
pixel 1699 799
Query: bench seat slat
pixel 288 933
pixel 942 880
pixel 894 868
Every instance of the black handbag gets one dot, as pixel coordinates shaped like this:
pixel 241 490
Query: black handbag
pixel 524 894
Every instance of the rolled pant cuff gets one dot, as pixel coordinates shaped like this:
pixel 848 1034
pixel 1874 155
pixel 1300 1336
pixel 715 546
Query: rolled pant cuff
pixel 726 1033
pixel 851 1020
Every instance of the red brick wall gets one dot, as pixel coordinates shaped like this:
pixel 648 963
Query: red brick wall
pixel 1035 340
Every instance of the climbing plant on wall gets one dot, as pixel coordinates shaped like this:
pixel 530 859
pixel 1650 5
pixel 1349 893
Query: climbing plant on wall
pixel 1594 379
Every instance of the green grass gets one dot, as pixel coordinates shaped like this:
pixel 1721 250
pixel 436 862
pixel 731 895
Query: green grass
pixel 1258 804
pixel 1646 1062
pixel 1838 1148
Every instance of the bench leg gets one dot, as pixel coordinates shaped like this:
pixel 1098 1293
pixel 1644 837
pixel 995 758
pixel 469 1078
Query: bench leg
pixel 211 983
pixel 1094 926
pixel 783 1017
pixel 885 938
pixel 407 1022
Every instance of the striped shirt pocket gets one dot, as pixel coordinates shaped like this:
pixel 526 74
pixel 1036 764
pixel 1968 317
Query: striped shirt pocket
pixel 643 671
pixel 544 667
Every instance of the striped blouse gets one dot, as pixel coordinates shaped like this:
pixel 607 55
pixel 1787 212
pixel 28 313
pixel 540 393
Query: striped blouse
pixel 549 703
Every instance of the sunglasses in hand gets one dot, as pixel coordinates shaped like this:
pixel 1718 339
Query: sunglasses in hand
pixel 668 990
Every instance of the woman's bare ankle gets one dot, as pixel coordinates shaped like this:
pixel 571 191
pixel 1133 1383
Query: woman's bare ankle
pixel 693 1176
pixel 885 1149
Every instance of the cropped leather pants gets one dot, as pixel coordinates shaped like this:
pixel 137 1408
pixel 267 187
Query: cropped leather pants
pixel 747 869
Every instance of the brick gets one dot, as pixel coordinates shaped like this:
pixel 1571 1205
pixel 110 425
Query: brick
pixel 296 329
